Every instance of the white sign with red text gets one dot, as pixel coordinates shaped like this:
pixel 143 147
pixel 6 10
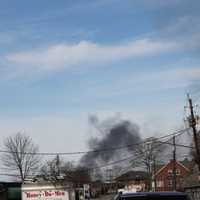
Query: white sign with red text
pixel 45 195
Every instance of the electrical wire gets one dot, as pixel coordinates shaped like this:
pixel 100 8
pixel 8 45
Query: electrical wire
pixel 178 145
pixel 176 133
pixel 129 158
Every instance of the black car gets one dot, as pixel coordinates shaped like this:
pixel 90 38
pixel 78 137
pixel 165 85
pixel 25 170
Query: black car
pixel 152 196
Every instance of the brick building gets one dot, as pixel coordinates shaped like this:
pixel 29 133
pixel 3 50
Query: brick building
pixel 164 176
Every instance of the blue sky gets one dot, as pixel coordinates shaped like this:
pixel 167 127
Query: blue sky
pixel 61 61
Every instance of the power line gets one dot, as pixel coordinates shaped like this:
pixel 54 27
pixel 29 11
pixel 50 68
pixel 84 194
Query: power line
pixel 129 158
pixel 7 174
pixel 178 145
pixel 176 133
pixel 88 169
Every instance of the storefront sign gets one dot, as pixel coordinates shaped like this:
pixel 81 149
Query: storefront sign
pixel 45 195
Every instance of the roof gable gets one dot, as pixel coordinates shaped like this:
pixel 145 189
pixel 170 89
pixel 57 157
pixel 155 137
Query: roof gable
pixel 170 162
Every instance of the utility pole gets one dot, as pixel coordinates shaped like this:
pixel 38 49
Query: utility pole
pixel 193 123
pixel 149 161
pixel 58 164
pixel 174 164
pixel 154 173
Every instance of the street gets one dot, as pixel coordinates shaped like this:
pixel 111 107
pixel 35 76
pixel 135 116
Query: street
pixel 105 197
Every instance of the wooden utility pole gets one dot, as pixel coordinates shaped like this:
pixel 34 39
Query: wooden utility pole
pixel 193 123
pixel 174 164
pixel 58 164
pixel 154 173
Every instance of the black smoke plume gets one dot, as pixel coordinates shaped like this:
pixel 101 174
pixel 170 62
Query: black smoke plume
pixel 113 134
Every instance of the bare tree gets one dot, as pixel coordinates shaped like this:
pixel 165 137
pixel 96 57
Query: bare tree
pixel 148 155
pixel 52 170
pixel 79 175
pixel 20 155
pixel 58 171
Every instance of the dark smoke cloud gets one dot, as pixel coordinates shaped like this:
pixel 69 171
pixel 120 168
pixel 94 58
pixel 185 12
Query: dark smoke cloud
pixel 115 134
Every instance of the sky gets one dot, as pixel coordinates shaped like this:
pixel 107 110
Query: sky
pixel 62 61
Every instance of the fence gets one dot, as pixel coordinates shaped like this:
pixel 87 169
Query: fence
pixel 193 192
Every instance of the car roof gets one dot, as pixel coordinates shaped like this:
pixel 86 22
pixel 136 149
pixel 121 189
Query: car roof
pixel 153 193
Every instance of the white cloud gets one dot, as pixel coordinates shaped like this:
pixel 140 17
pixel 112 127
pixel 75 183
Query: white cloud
pixel 177 76
pixel 178 36
pixel 173 77
pixel 67 55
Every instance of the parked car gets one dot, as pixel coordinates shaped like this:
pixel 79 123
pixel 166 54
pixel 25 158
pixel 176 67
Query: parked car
pixel 152 196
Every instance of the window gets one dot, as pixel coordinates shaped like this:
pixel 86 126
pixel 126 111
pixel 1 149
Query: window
pixel 178 172
pixel 170 172
pixel 169 183
pixel 160 183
